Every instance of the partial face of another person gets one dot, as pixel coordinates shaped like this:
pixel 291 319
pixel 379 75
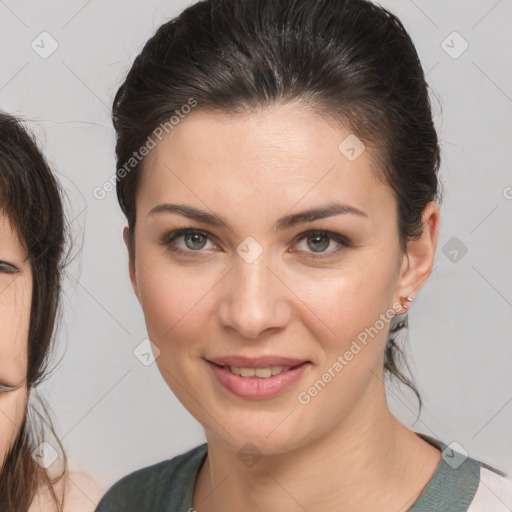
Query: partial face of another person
pixel 264 282
pixel 15 303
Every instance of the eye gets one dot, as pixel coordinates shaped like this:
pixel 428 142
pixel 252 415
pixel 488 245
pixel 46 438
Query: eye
pixel 317 241
pixel 191 240
pixel 4 388
pixel 7 268
pixel 188 241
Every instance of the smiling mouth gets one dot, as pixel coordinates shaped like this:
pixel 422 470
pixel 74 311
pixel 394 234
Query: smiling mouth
pixel 261 373
pixel 258 378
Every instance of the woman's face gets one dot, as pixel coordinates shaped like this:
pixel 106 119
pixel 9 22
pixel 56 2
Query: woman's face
pixel 15 300
pixel 256 285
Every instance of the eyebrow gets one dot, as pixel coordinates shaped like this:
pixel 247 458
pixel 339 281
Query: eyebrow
pixel 283 223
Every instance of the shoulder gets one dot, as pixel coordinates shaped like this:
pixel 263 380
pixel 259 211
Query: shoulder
pixel 150 487
pixel 82 493
pixel 462 483
pixel 78 492
pixel 494 492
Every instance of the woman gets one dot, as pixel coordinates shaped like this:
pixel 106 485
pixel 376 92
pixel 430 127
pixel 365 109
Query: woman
pixel 33 471
pixel 277 165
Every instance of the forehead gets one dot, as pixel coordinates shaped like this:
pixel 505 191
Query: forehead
pixel 280 156
pixel 10 245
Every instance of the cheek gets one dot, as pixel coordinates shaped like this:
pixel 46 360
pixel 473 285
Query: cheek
pixel 174 305
pixel 351 323
pixel 173 300
pixel 14 328
pixel 12 412
pixel 351 299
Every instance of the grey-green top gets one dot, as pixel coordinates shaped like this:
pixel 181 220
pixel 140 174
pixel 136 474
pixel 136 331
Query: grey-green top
pixel 169 485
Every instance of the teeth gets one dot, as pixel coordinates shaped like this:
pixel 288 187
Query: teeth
pixel 278 369
pixel 262 373
pixel 247 372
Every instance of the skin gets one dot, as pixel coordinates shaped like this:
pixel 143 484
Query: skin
pixel 344 447
pixel 15 297
pixel 81 492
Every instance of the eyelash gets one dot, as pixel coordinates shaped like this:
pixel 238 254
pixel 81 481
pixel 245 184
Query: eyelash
pixel 6 389
pixel 8 268
pixel 173 235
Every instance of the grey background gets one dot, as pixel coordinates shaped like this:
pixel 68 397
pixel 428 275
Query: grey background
pixel 114 413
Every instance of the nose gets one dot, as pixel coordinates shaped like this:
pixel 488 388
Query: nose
pixel 254 300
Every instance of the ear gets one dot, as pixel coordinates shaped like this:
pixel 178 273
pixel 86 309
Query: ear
pixel 131 261
pixel 418 260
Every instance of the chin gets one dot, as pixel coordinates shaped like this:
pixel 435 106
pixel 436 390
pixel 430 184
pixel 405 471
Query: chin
pixel 263 434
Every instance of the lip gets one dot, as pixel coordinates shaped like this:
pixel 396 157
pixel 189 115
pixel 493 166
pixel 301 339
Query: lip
pixel 256 388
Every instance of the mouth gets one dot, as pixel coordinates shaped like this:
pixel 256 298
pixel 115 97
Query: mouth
pixel 260 372
pixel 258 378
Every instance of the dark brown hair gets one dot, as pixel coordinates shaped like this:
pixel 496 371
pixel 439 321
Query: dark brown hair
pixel 30 197
pixel 351 61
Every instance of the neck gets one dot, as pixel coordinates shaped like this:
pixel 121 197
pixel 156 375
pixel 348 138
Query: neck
pixel 366 462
